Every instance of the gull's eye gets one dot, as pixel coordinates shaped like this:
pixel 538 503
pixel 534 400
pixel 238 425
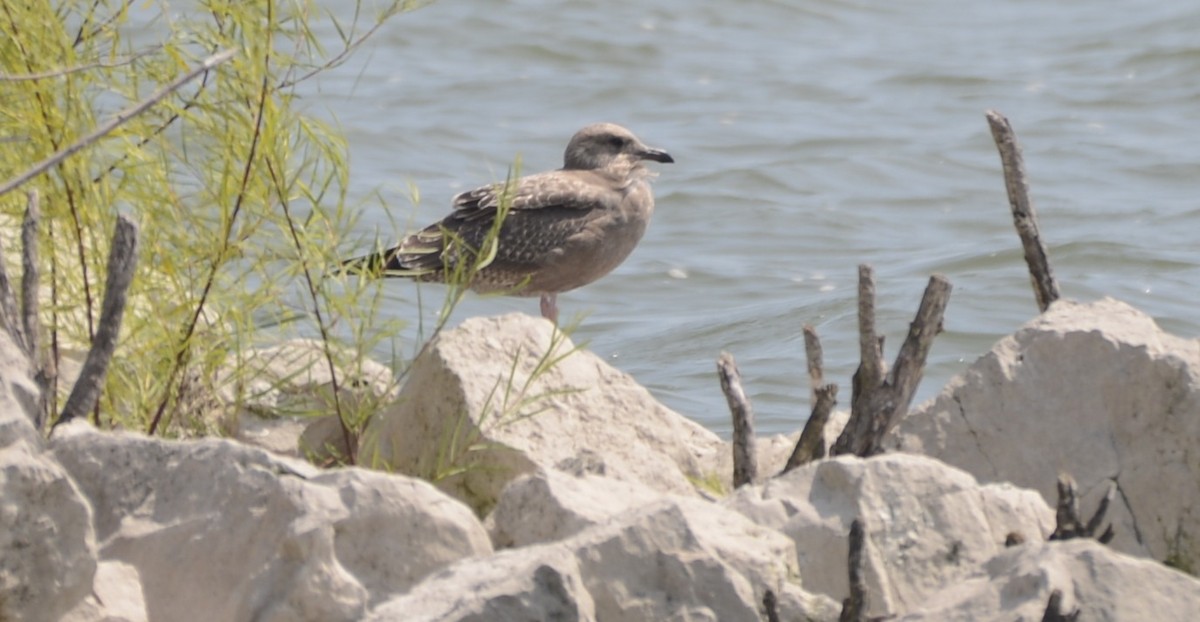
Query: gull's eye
pixel 616 142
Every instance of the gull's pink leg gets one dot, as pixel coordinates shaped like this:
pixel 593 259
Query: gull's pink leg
pixel 550 307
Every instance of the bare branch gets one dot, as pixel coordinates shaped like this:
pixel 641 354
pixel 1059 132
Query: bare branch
pixel 870 371
pixel 1054 612
pixel 814 355
pixel 122 260
pixel 745 466
pixel 58 73
pixel 811 446
pixel 30 278
pixel 117 121
pixel 1068 521
pixel 854 608
pixel 8 305
pixel 874 408
pixel 1045 288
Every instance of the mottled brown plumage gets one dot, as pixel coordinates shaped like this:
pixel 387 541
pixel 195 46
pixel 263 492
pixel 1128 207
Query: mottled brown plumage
pixel 563 228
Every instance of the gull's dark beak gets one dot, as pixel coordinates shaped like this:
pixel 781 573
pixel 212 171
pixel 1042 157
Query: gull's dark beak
pixel 658 155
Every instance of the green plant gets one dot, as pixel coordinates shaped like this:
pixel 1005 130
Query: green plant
pixel 241 196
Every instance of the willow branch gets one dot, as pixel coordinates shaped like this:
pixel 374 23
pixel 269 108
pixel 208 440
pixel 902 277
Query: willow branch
pixel 121 118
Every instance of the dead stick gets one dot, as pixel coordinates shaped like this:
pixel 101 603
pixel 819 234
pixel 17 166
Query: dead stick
pixel 854 608
pixel 1066 515
pixel 1045 288
pixel 1093 524
pixel 814 356
pixel 811 446
pixel 875 408
pixel 117 121
pixel 910 361
pixel 745 466
pixel 30 278
pixel 8 304
pixel 1054 612
pixel 870 347
pixel 122 260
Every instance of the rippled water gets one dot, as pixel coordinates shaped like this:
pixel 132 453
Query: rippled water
pixel 809 136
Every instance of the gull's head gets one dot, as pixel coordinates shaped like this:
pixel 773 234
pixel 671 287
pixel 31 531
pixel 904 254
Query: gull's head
pixel 611 147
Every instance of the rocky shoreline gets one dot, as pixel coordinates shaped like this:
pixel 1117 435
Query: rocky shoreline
pixel 564 491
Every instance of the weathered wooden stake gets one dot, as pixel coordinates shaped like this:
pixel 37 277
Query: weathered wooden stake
pixel 811 446
pixel 879 400
pixel 122 260
pixel 1045 288
pixel 854 608
pixel 745 463
pixel 814 357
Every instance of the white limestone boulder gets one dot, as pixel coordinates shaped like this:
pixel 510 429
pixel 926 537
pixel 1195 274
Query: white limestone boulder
pixel 675 559
pixel 1102 584
pixel 927 524
pixel 221 531
pixel 288 386
pixel 499 397
pixel 47 545
pixel 536 583
pixel 1094 390
pixel 550 505
pixel 116 596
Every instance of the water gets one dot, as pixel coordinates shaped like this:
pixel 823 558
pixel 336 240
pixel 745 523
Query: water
pixel 810 136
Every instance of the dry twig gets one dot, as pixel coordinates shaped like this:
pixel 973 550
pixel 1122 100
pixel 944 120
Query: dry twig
pixel 1045 288
pixel 1054 612
pixel 745 465
pixel 811 446
pixel 1068 522
pixel 879 400
pixel 854 607
pixel 814 357
pixel 122 260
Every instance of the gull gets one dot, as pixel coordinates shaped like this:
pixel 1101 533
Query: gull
pixel 557 230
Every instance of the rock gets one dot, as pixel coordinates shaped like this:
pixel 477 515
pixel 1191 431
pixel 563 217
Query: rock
pixel 1104 585
pixel 323 441
pixel 538 583
pixel 499 397
pixel 47 546
pixel 285 386
pixel 675 559
pixel 119 587
pixel 221 531
pixel 293 378
pixel 280 435
pixel 928 525
pixel 550 505
pixel 1095 390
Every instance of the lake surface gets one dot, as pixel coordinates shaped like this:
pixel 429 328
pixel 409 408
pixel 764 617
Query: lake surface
pixel 809 136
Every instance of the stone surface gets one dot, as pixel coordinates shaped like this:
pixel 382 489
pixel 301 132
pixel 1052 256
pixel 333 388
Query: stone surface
pixel 550 505
pixel 675 559
pixel 291 382
pixel 117 596
pixel 47 546
pixel 537 583
pixel 1104 585
pixel 1095 390
pixel 928 525
pixel 220 531
pixel 498 397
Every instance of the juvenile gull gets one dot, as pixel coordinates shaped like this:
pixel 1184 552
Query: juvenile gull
pixel 563 229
